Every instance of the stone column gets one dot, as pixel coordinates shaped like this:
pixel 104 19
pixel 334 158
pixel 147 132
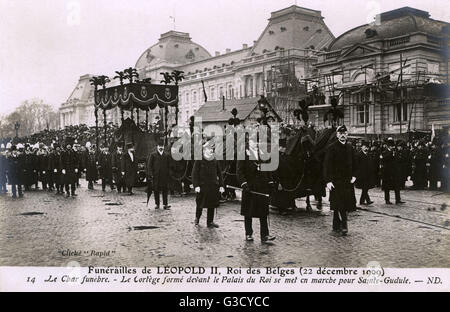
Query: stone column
pixel 255 92
pixel 61 120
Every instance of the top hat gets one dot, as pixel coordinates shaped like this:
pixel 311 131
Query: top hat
pixel 129 145
pixel 342 128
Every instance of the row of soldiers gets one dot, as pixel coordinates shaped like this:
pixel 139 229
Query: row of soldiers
pixel 424 163
pixel 59 168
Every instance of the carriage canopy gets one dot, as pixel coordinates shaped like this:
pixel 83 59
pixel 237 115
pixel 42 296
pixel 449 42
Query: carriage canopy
pixel 145 96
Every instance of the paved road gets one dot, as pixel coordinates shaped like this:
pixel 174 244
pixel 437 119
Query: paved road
pixel 39 229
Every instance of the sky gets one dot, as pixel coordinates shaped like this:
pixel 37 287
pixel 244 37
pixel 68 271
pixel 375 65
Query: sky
pixel 46 45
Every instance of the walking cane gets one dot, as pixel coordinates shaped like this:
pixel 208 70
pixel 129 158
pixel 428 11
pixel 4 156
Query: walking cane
pixel 253 192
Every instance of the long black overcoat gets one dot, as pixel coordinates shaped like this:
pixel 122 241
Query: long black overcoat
pixel 391 176
pixel 253 205
pixel 130 167
pixel 158 170
pixel 339 168
pixel 365 178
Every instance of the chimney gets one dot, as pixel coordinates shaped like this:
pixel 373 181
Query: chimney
pixel 228 50
pixel 244 46
pixel 217 53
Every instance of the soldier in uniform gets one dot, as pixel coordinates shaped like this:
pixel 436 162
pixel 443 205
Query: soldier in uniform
pixel 105 168
pixel 158 164
pixel 116 161
pixel 129 168
pixel 16 160
pixel 391 173
pixel 365 174
pixel 253 179
pixel 3 169
pixel 339 175
pixel 208 184
pixel 420 167
pixel 69 168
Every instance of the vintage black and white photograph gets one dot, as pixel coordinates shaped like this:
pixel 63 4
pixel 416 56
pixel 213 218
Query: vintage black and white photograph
pixel 225 133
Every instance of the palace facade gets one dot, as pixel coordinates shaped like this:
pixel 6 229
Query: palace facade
pixel 290 41
pixel 381 74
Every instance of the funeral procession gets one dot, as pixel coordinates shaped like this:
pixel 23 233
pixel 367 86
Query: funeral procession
pixel 310 147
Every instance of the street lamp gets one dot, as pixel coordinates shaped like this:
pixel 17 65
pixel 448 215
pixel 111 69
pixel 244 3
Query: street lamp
pixel 16 127
pixel 234 121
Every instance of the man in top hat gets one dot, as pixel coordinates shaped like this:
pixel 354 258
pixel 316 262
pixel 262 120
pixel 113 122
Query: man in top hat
pixel 3 166
pixel 116 161
pixel 208 184
pixel 69 168
pixel 129 168
pixel 16 160
pixel 339 175
pixel 365 174
pixel 391 172
pixel 158 166
pixel 255 205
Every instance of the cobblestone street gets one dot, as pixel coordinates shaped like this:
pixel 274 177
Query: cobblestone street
pixel 39 229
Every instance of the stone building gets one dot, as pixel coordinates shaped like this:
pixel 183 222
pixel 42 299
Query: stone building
pixel 381 72
pixel 287 46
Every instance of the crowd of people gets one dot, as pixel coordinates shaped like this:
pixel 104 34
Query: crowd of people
pixel 59 164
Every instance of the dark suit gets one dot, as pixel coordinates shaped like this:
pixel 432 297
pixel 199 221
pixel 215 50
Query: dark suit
pixel 69 163
pixel 130 167
pixel 158 172
pixel 105 169
pixel 16 162
pixel 55 168
pixel 207 175
pixel 116 161
pixel 339 168
pixel 253 205
pixel 90 164
pixel 391 174
pixel 365 179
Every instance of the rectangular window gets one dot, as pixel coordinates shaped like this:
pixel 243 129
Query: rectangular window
pixel 362 116
pixel 400 111
pixel 194 97
pixel 361 107
pixel 213 94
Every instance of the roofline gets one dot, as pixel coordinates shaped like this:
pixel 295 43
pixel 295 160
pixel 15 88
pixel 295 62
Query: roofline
pixel 294 6
pixel 218 56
